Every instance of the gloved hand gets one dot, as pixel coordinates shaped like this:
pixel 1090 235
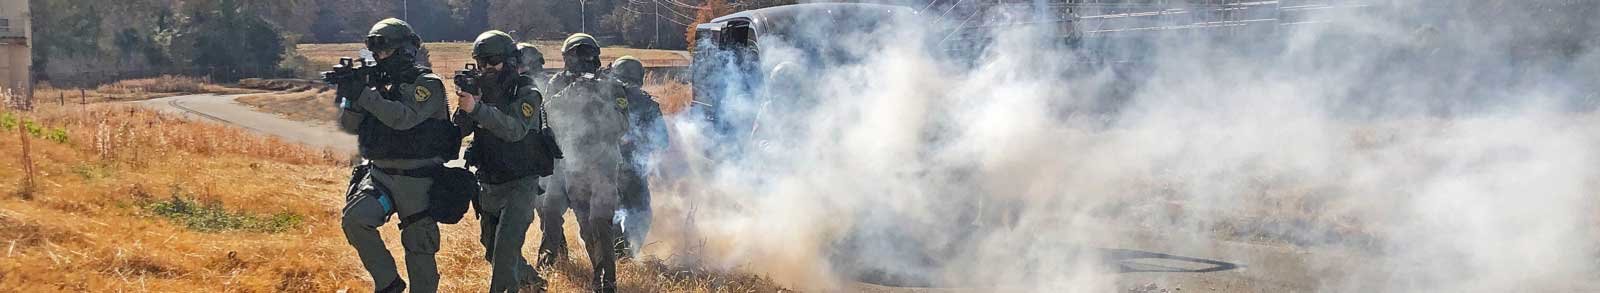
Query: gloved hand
pixel 345 95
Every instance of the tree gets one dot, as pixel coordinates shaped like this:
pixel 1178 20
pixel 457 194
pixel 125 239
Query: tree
pixel 709 10
pixel 524 19
pixel 327 28
pixel 64 28
pixel 477 18
pixel 630 25
pixel 230 43
pixel 433 20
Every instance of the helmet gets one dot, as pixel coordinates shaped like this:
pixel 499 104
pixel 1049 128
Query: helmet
pixel 494 46
pixel 530 56
pixel 391 33
pixel 629 70
pixel 581 53
pixel 581 45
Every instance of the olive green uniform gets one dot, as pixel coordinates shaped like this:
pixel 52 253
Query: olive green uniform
pixel 507 208
pixel 363 213
pixel 590 130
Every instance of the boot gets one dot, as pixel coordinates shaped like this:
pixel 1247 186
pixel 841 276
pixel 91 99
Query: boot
pixel 398 286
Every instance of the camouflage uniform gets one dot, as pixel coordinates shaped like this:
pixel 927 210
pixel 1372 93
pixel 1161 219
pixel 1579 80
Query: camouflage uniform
pixel 590 127
pixel 412 105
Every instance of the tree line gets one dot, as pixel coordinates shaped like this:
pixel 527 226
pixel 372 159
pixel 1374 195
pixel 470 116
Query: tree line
pixel 231 39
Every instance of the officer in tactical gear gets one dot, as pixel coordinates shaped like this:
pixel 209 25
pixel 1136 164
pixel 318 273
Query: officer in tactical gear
pixel 646 137
pixel 510 151
pixel 533 64
pixel 400 118
pixel 586 108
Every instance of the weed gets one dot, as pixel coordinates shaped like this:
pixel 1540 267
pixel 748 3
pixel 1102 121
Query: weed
pixel 8 121
pixel 91 171
pixel 58 135
pixel 211 216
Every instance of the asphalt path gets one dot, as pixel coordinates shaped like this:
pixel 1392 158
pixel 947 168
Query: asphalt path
pixel 224 109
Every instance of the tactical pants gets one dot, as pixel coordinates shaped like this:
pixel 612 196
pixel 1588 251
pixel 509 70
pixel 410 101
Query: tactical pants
pixel 593 197
pixel 633 227
pixel 508 210
pixel 635 224
pixel 552 210
pixel 363 213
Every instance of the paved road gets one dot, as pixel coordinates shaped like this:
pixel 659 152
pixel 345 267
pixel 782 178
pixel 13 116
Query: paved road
pixel 223 108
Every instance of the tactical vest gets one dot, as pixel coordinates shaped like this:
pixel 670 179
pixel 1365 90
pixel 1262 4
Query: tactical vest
pixel 500 161
pixel 433 138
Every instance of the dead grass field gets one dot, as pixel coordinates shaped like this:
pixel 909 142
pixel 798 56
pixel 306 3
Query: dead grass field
pixel 298 100
pixel 133 90
pixel 127 199
pixel 308 101
pixel 448 57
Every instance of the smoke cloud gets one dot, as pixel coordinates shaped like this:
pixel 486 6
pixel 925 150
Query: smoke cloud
pixel 1399 147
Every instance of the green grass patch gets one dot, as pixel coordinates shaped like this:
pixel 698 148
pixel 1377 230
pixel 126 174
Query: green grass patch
pixel 91 171
pixel 213 217
pixel 9 121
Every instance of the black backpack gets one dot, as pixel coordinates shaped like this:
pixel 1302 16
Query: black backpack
pixel 452 192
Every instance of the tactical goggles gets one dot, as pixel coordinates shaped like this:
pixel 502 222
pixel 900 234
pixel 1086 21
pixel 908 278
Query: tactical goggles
pixel 491 60
pixel 378 42
pixel 583 51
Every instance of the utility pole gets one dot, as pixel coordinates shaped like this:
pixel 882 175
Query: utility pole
pixel 583 16
pixel 405 10
pixel 657 42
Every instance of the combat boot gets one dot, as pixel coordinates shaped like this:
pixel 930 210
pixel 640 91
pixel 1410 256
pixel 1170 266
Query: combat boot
pixel 398 286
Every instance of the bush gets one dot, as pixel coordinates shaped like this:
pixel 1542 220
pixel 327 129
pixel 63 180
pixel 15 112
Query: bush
pixel 162 84
pixel 212 217
pixel 8 121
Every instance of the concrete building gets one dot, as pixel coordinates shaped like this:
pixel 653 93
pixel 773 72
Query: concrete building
pixel 16 48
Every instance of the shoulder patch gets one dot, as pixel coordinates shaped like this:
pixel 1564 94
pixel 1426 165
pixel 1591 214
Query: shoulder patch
pixel 622 103
pixel 527 110
pixel 423 94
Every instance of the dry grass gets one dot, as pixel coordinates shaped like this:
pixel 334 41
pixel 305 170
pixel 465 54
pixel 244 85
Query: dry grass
pixel 448 57
pixel 85 231
pixel 95 222
pixel 305 105
pixel 133 90
pixel 280 84
pixel 309 101
pixel 673 94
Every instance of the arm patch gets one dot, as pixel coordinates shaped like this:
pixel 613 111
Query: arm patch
pixel 423 94
pixel 428 86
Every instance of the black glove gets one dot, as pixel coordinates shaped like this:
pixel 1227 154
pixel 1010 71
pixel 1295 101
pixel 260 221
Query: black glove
pixel 345 95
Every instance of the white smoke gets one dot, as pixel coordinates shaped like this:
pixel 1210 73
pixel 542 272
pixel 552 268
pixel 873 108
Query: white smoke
pixel 1409 147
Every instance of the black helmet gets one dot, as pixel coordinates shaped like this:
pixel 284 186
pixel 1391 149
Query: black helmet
pixel 629 70
pixel 530 56
pixel 494 47
pixel 581 53
pixel 391 33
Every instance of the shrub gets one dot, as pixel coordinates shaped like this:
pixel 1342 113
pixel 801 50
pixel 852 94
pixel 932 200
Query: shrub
pixel 212 217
